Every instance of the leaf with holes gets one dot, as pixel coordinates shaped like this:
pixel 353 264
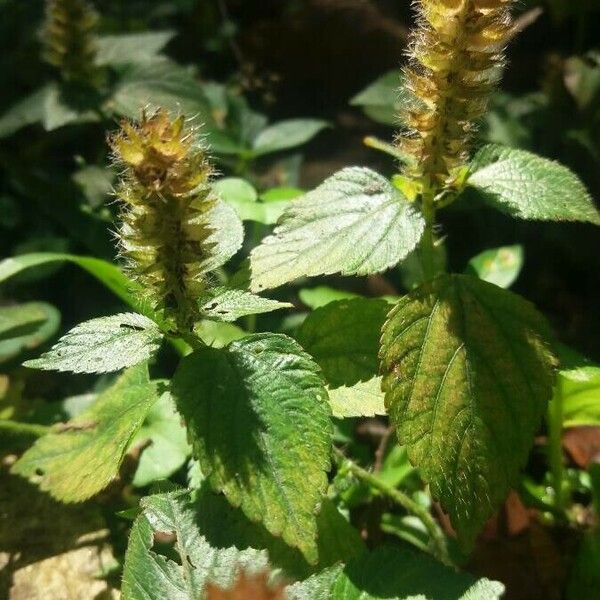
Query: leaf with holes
pixel 231 304
pixel 467 375
pixel 80 458
pixel 355 223
pixel 258 417
pixel 102 345
pixel 528 186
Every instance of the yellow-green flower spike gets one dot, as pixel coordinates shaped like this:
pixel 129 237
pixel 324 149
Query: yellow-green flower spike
pixel 68 39
pixel 166 199
pixel 456 56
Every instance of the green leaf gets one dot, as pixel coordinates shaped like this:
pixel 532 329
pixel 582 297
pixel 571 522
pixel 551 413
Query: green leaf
pixel 150 575
pixel 267 447
pixel 168 450
pixel 528 186
pixel 226 236
pixel 219 542
pixel 243 197
pixel 343 338
pixel 156 83
pixel 321 295
pixel 102 345
pixel 218 335
pixel 26 326
pixel 240 194
pixel 500 266
pixel 28 111
pixel 579 384
pixel 131 47
pixel 80 458
pixel 363 399
pixel 349 362
pixel 231 304
pixel 286 134
pixel 355 223
pixel 383 99
pixel 467 377
pixel 108 274
pixel 395 573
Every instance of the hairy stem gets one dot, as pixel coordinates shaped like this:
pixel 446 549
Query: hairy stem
pixel 438 539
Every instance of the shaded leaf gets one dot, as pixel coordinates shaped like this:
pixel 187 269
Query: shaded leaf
pixel 267 446
pixel 25 327
pixel 131 47
pixel 467 377
pixel 394 574
pixel 355 223
pixel 286 134
pixel 343 337
pixel 108 274
pixel 80 458
pixel 383 100
pixel 102 345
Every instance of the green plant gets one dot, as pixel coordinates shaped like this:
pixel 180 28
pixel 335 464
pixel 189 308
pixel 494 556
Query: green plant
pixel 244 436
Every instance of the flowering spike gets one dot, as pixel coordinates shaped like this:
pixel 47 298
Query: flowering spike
pixel 68 38
pixel 166 197
pixel 455 59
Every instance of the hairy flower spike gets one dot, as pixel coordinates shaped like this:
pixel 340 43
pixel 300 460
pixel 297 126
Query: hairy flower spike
pixel 164 235
pixel 68 37
pixel 456 55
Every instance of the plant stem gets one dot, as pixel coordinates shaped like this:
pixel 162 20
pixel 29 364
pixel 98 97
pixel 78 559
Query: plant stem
pixel 16 428
pixel 438 538
pixel 427 246
pixel 555 454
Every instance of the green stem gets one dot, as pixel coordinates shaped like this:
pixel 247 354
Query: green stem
pixel 436 534
pixel 555 453
pixel 16 428
pixel 427 246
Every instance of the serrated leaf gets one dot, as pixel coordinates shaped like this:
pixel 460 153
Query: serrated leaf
pixel 467 376
pixel 500 266
pixel 25 327
pixel 363 399
pixel 355 223
pixel 267 446
pixel 80 458
pixel 102 345
pixel 394 573
pixel 150 575
pixel 218 541
pixel 343 338
pixel 226 236
pixel 168 450
pixel 231 304
pixel 286 134
pixel 131 47
pixel 528 186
